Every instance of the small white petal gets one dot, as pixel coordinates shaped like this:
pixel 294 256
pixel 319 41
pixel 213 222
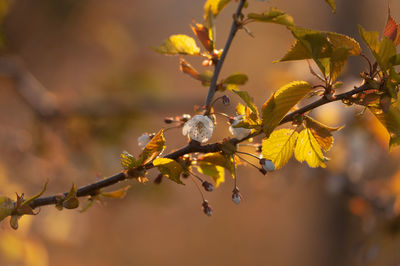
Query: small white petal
pixel 143 140
pixel 239 132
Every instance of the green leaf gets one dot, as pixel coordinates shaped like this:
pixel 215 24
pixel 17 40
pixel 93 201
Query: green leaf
pixel 391 121
pixel 321 132
pixel 216 172
pixel 220 159
pixel 153 148
pixel 332 4
pixel 383 51
pixel 236 78
pixel 212 8
pixel 395 60
pixel 329 50
pixel 6 207
pixel 370 38
pixel 128 161
pixel 386 51
pixel 298 51
pixel 337 62
pixel 273 16
pixel 169 168
pixel 178 44
pixel 279 146
pixel 248 100
pixel 307 149
pixel 116 194
pixel 280 103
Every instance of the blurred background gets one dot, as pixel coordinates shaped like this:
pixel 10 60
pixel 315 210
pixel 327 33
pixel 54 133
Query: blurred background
pixel 79 84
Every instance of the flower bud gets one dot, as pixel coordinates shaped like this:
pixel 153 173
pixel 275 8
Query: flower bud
pixel 225 100
pixel 207 208
pixel 238 132
pixel 168 120
pixel 207 186
pixel 268 165
pixel 143 140
pixel 236 196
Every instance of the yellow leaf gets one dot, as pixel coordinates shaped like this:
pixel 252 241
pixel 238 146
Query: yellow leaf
pixel 321 132
pixel 391 121
pixel 127 160
pixel 169 168
pixel 279 146
pixel 218 158
pixel 307 149
pixel 215 171
pixel 178 44
pixel 280 103
pixel 153 148
pixel 28 201
pixel 117 194
pixel 214 7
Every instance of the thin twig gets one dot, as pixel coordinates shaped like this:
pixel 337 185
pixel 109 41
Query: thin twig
pixel 192 147
pixel 234 28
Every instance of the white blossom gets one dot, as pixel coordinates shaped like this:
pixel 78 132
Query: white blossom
pixel 199 128
pixel 238 132
pixel 143 140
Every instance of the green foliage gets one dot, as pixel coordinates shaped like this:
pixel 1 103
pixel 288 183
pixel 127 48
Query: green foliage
pixel 279 146
pixel 384 51
pixel 236 78
pixel 273 16
pixel 329 50
pixel 169 168
pixel 178 44
pixel 280 103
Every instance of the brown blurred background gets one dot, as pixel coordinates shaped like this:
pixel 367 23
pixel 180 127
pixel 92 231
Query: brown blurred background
pixel 79 83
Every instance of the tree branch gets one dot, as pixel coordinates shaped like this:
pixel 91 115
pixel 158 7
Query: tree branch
pixel 234 28
pixel 192 147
